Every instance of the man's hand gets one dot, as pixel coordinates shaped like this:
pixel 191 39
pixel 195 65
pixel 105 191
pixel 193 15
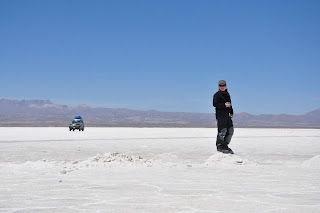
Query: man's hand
pixel 231 115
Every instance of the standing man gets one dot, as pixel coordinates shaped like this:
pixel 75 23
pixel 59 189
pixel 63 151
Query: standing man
pixel 224 113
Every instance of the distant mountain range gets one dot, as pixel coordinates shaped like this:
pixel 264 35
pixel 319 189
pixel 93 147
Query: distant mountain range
pixel 47 113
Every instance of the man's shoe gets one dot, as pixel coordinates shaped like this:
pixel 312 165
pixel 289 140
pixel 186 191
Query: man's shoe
pixel 222 149
pixel 229 150
pixel 225 150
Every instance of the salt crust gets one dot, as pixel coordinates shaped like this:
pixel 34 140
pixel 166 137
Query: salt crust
pixel 228 160
pixel 312 162
pixel 114 159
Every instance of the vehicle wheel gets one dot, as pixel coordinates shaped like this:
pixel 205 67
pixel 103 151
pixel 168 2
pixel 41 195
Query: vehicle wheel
pixel 79 130
pixel 69 129
pixel 83 129
pixel 73 129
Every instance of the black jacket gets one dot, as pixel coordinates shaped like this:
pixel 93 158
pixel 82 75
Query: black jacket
pixel 219 100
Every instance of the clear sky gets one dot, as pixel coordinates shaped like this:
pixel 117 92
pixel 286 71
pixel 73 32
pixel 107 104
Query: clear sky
pixel 163 55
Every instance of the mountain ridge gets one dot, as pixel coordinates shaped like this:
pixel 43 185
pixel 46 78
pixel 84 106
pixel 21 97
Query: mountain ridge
pixel 47 113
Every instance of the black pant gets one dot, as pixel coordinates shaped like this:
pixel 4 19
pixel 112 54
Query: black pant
pixel 225 130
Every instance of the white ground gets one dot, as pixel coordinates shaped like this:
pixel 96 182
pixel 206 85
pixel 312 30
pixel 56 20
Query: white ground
pixel 158 170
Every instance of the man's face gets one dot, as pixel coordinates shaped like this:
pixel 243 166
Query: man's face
pixel 222 87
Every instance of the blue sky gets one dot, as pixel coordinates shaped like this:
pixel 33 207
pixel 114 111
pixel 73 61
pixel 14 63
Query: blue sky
pixel 163 55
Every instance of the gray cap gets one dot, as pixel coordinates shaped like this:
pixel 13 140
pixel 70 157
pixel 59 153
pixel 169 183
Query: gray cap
pixel 222 82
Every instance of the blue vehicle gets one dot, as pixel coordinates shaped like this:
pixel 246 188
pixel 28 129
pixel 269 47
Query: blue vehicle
pixel 77 123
